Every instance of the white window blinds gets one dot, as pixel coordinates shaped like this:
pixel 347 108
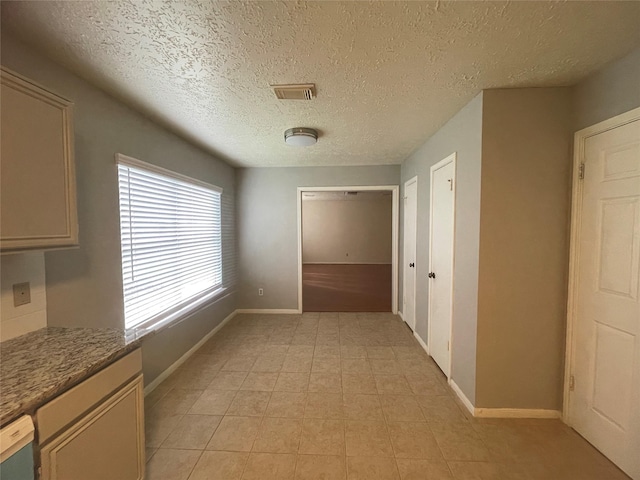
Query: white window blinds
pixel 170 229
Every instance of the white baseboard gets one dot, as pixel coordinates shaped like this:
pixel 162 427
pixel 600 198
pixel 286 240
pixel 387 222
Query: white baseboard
pixel 160 378
pixel 286 311
pixel 516 413
pixel 421 342
pixel 400 315
pixel 463 398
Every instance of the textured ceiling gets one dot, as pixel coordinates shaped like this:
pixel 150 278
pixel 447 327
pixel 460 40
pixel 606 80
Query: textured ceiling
pixel 388 74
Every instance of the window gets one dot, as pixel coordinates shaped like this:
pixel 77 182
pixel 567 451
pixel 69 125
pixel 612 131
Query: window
pixel 170 229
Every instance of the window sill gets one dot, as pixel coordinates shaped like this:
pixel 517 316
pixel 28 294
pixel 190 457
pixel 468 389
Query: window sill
pixel 178 316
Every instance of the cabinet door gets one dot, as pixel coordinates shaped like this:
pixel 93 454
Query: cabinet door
pixel 37 190
pixel 106 444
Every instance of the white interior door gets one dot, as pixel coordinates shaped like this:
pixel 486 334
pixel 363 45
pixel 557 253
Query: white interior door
pixel 410 230
pixel 442 220
pixel 605 402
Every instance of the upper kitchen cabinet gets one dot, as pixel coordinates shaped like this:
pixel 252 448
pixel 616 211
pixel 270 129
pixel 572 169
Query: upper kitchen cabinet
pixel 37 173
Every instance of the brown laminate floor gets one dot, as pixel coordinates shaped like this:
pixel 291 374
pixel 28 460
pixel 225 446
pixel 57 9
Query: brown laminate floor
pixel 346 288
pixel 324 396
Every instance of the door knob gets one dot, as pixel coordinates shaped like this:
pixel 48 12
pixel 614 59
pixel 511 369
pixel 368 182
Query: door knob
pixel 432 275
pixel 412 265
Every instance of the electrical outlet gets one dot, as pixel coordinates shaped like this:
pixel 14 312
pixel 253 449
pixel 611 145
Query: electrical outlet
pixel 260 292
pixel 21 294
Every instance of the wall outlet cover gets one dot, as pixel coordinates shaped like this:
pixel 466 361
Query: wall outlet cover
pixel 21 294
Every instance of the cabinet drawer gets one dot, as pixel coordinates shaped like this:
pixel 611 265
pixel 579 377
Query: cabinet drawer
pixel 105 444
pixel 63 410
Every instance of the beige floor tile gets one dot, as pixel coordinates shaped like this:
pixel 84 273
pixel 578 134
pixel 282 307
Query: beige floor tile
pixel 297 363
pixel 393 384
pixel 301 350
pixel 158 427
pixel 287 404
pixel 220 466
pixel 275 350
pixel 328 340
pixel 320 467
pixel 477 471
pixel 426 385
pixel 460 442
pixel 270 466
pixel 356 365
pixel 385 366
pixel 353 351
pixel 172 464
pixel 304 339
pixel 413 440
pixel 239 364
pixel 324 405
pixel 362 407
pixel 367 468
pixel 359 383
pixel 155 396
pixel 249 403
pixel 176 401
pixel 268 363
pixel 260 381
pixel 292 382
pixel 278 435
pixel 325 382
pixel 330 364
pixel 235 434
pixel 412 469
pixel 367 438
pixel 322 437
pixel 439 409
pixel 213 402
pixel 380 352
pixel 227 381
pixel 326 350
pixel 191 379
pixel 401 408
pixel 193 432
pixel 149 451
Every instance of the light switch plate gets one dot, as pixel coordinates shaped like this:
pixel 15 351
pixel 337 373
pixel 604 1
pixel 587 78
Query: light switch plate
pixel 21 294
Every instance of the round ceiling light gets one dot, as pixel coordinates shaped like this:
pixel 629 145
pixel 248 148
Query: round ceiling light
pixel 300 137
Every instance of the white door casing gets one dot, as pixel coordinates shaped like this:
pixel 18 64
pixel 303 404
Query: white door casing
pixel 602 391
pixel 441 258
pixel 409 257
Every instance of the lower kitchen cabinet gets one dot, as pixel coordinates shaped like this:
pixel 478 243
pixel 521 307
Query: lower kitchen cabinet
pixel 102 442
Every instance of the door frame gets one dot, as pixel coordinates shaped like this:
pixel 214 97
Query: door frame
pixel 413 179
pixel 580 138
pixel 394 189
pixel 453 158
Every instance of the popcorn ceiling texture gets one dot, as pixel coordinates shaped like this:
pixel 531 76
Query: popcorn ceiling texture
pixel 388 74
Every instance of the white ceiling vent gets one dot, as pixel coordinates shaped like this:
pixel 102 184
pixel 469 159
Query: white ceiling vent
pixel 303 91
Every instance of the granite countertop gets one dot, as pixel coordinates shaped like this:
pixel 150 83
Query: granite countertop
pixel 38 366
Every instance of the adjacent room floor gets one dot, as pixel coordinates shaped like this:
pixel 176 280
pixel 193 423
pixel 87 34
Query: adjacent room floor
pixel 339 396
pixel 346 287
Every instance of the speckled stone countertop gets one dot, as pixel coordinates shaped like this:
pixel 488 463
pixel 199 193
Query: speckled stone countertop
pixel 38 366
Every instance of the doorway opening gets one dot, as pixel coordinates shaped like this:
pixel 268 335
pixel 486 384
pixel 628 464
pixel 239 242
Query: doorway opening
pixel 347 249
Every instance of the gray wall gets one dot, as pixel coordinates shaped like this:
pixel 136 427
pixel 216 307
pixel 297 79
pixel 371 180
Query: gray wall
pixel 524 242
pixel 462 134
pixel 349 230
pixel 609 92
pixel 268 227
pixel 84 285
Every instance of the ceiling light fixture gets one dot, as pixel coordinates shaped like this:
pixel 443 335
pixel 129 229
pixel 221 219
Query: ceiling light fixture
pixel 300 136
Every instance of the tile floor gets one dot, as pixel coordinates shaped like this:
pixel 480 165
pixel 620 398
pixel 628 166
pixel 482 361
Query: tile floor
pixel 339 396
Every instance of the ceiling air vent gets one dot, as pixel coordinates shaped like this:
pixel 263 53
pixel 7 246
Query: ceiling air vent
pixel 303 91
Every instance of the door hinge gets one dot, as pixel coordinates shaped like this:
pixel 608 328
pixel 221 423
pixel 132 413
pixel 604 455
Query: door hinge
pixel 572 383
pixel 581 172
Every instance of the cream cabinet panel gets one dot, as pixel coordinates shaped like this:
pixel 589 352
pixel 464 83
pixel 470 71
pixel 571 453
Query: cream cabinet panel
pixel 105 444
pixel 38 190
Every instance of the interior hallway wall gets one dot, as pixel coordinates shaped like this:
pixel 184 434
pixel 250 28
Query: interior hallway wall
pixel 268 225
pixel 347 230
pixel 84 285
pixel 463 135
pixel 524 247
